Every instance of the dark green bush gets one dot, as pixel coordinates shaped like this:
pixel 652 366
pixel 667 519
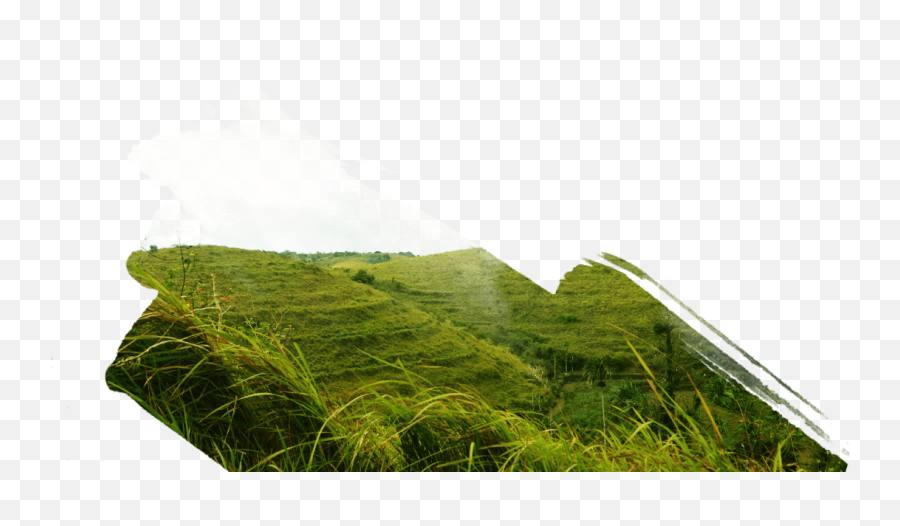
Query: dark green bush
pixel 363 277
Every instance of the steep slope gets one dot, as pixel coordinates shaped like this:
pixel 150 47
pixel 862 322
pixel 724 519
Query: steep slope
pixel 470 287
pixel 332 319
pixel 474 289
pixel 565 334
pixel 452 317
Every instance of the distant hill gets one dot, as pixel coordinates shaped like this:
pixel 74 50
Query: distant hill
pixel 348 259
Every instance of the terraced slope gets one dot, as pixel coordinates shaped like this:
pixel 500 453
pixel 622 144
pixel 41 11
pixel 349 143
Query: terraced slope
pixel 565 333
pixel 460 317
pixel 475 290
pixel 332 319
pixel 469 287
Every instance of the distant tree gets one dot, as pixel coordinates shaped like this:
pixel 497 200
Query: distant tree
pixel 153 248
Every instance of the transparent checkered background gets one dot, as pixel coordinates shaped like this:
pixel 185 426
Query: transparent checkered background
pixel 746 157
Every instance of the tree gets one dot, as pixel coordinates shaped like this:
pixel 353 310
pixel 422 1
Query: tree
pixel 153 248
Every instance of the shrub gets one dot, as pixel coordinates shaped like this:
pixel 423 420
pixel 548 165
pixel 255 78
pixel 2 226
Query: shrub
pixel 153 248
pixel 363 277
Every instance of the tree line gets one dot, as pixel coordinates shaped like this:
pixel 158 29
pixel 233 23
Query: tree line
pixel 311 257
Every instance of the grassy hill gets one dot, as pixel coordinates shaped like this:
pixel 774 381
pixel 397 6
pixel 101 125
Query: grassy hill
pixel 333 319
pixel 587 362
pixel 465 318
pixel 250 406
pixel 347 259
pixel 475 290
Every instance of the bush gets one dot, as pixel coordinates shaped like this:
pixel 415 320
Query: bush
pixel 363 277
pixel 153 248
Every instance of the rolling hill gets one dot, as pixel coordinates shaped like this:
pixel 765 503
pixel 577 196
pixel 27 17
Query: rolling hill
pixel 333 318
pixel 566 333
pixel 463 318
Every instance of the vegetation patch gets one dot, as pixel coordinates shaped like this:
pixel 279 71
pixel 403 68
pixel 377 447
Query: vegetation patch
pixel 350 343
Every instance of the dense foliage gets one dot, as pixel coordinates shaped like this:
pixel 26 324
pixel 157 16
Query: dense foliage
pixel 363 277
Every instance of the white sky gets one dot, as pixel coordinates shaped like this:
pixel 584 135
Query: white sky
pixel 246 188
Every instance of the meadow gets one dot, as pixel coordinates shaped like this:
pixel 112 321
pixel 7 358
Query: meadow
pixel 454 360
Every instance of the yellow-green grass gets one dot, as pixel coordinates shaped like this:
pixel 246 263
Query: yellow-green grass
pixel 441 315
pixel 354 263
pixel 333 318
pixel 347 259
pixel 473 289
pixel 251 405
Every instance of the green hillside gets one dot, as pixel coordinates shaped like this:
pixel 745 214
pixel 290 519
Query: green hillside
pixel 566 334
pixel 346 259
pixel 474 289
pixel 465 318
pixel 334 319
pixel 573 335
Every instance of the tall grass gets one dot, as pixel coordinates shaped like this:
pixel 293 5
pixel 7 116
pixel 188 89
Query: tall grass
pixel 250 404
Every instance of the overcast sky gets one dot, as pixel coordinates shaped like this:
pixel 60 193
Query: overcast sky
pixel 285 190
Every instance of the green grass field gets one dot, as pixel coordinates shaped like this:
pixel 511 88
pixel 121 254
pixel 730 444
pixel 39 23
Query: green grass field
pixel 466 321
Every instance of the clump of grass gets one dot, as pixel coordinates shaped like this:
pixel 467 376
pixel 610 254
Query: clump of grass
pixel 251 405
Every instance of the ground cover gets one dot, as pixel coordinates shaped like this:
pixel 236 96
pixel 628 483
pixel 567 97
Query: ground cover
pixel 468 321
